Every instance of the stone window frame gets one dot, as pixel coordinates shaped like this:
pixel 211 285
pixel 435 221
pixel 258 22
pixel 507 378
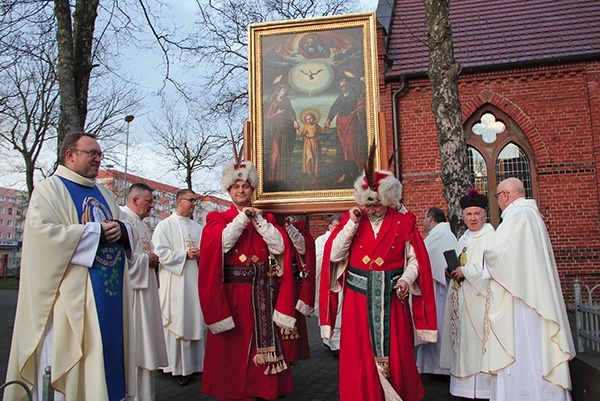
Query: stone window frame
pixel 490 152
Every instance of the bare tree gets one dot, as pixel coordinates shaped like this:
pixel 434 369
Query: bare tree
pixel 443 77
pixel 74 37
pixel 32 34
pixel 29 106
pixel 223 44
pixel 189 143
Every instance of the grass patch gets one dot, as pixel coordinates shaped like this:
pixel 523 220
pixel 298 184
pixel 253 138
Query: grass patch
pixel 9 284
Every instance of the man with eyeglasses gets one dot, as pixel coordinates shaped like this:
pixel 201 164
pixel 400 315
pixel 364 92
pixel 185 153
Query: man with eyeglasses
pixel 530 343
pixel 74 300
pixel 176 241
pixel 377 257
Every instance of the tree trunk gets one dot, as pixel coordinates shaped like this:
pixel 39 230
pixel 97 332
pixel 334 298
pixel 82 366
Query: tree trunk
pixel 74 38
pixel 443 77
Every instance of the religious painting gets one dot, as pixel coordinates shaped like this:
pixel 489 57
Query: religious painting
pixel 314 105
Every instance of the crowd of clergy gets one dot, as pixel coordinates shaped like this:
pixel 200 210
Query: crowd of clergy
pixel 104 303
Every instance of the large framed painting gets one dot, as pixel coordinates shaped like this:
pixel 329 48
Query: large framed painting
pixel 314 111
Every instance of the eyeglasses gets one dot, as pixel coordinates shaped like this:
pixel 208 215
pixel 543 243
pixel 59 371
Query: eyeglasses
pixel 499 193
pixel 92 153
pixel 193 200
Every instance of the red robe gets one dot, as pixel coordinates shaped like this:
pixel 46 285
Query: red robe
pixel 359 379
pixel 296 349
pixel 229 370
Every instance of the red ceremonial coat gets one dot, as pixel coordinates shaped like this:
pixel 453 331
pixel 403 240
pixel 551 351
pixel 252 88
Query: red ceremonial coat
pixel 359 379
pixel 229 370
pixel 296 349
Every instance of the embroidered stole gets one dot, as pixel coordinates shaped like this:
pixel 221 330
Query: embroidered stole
pixel 106 275
pixel 268 345
pixel 378 286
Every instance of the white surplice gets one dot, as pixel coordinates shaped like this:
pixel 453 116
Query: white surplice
pixel 463 344
pixel 150 350
pixel 178 292
pixel 530 342
pixel 439 239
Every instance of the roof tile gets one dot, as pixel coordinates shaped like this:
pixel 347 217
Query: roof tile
pixel 498 32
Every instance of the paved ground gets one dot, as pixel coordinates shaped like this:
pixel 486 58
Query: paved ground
pixel 314 380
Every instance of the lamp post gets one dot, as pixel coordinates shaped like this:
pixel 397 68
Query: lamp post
pixel 128 119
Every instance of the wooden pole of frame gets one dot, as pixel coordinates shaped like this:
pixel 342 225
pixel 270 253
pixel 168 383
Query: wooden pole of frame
pixel 247 132
pixel 383 149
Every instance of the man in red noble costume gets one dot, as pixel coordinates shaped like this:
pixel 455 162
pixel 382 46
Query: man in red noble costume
pixel 377 258
pixel 240 273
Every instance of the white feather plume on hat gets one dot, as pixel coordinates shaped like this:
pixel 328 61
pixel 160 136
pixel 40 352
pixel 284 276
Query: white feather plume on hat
pixel 385 189
pixel 245 171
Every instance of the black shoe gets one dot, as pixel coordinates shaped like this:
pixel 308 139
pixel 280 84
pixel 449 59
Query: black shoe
pixel 183 380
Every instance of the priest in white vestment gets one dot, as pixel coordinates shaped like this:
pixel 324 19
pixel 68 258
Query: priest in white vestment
pixel 150 350
pixel 334 342
pixel 439 238
pixel 530 342
pixel 176 241
pixel 74 301
pixel 463 343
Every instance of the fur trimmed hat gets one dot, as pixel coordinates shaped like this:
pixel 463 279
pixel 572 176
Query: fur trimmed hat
pixel 245 171
pixel 385 189
pixel 473 198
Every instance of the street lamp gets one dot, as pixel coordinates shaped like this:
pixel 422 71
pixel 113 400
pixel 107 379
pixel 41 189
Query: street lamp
pixel 128 118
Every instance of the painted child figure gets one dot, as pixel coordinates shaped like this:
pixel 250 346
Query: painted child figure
pixel 311 153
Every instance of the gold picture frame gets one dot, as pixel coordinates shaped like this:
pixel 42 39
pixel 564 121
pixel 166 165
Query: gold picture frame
pixel 314 111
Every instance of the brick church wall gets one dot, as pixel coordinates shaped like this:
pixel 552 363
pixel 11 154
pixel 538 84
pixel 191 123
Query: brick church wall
pixel 558 109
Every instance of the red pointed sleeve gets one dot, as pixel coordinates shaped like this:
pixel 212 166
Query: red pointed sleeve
pixel 213 301
pixel 307 292
pixel 328 300
pixel 423 306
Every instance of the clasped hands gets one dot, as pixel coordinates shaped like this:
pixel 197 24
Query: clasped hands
pixel 401 288
pixel 252 212
pixel 193 252
pixel 112 230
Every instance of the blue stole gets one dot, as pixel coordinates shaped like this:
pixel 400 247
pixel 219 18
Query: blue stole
pixel 106 275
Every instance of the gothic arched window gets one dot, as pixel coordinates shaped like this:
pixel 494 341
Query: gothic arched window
pixel 498 149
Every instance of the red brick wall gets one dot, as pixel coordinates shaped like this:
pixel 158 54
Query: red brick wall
pixel 558 109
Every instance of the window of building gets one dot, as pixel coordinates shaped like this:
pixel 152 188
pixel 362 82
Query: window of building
pixel 9 223
pixel 10 210
pixel 8 235
pixel 1 233
pixel 1 209
pixel 1 222
pixel 2 197
pixel 498 149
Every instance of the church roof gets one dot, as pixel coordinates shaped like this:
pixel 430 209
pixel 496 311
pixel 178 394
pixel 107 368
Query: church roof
pixel 494 34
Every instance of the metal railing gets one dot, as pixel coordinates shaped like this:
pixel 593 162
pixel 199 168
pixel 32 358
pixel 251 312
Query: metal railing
pixel 587 318
pixel 47 391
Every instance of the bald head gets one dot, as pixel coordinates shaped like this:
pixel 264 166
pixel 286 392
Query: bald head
pixel 509 190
